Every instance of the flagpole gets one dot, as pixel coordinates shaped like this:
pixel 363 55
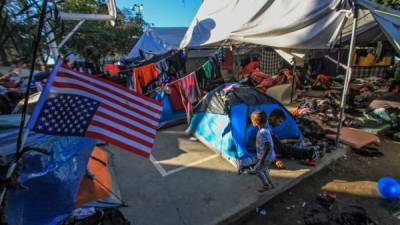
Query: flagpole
pixel 348 70
pixel 22 133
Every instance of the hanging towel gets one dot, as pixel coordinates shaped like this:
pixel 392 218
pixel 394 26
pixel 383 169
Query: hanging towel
pixel 190 93
pixel 175 97
pixel 144 75
pixel 208 70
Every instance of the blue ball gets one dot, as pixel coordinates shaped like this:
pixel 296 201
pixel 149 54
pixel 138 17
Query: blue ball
pixel 389 188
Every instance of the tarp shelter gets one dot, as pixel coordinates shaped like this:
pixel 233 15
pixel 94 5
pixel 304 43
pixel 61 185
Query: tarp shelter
pixel 158 40
pixel 56 182
pixel 52 180
pixel 286 24
pixel 313 24
pixel 221 121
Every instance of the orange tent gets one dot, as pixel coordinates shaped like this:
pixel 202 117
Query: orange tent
pixel 97 185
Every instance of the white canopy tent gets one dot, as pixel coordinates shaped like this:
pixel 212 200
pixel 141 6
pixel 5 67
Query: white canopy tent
pixel 283 24
pixel 288 24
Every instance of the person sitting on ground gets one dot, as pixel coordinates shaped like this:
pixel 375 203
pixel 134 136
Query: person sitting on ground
pixel 265 145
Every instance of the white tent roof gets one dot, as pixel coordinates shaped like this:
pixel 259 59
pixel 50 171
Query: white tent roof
pixel 158 40
pixel 282 24
pixel 286 24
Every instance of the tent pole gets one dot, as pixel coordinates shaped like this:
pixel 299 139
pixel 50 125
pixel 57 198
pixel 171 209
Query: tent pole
pixel 293 79
pixel 348 70
pixel 339 54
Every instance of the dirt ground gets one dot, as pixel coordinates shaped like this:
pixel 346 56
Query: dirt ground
pixel 352 178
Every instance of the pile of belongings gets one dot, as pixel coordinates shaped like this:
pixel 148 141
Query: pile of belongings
pixel 322 82
pixel 325 110
pixel 313 116
pixel 91 216
pixel 379 121
pixel 327 210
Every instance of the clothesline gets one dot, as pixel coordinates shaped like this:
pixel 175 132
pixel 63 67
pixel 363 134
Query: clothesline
pixel 180 49
pixel 145 64
pixel 200 67
pixel 218 51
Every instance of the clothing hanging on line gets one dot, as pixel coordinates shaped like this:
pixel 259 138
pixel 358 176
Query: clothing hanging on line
pixel 208 70
pixel 175 97
pixel 190 93
pixel 216 66
pixel 143 75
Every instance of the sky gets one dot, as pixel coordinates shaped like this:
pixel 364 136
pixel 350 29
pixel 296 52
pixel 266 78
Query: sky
pixel 165 13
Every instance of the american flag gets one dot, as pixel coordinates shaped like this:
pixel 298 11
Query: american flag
pixel 75 104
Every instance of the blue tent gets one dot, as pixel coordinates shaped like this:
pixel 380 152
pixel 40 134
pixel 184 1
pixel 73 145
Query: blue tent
pixel 168 116
pixel 158 40
pixel 222 122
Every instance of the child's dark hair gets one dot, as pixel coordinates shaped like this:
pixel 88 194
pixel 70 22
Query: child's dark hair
pixel 259 116
pixel 277 113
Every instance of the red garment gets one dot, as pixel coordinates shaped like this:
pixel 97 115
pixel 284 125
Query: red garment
pixel 259 76
pixel 322 81
pixel 250 67
pixel 270 82
pixel 175 97
pixel 190 93
pixel 144 75
pixel 112 69
pixel 227 64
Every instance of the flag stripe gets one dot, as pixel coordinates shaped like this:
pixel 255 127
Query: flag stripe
pixel 98 109
pixel 103 93
pixel 123 128
pixel 91 84
pixel 117 143
pixel 66 88
pixel 119 135
pixel 133 124
pixel 125 91
pixel 105 108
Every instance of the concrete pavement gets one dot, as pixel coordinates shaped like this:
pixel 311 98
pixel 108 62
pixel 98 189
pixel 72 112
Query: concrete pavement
pixel 187 183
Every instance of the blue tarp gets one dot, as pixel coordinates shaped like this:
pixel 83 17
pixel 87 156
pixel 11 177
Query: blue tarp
pixel 158 40
pixel 52 180
pixel 168 115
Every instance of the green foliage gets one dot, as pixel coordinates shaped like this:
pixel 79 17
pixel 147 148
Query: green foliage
pixel 100 34
pixel 395 4
pixel 19 22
